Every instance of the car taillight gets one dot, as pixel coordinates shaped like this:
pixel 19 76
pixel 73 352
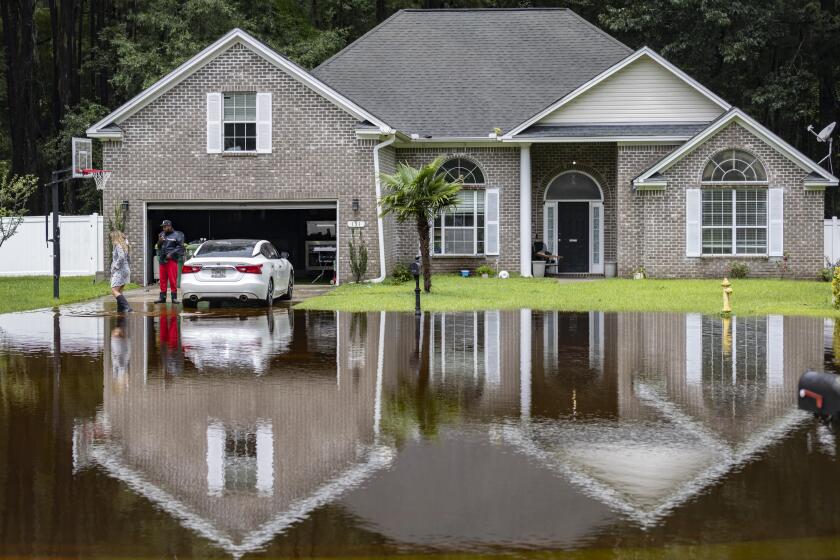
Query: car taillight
pixel 250 268
pixel 189 269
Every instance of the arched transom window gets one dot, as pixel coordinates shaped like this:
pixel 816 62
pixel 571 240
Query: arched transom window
pixel 734 166
pixel 464 170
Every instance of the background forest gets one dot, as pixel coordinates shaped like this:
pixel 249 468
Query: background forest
pixel 68 63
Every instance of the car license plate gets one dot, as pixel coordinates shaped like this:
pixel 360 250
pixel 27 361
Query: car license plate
pixel 217 273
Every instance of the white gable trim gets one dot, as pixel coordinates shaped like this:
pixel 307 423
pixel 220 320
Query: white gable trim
pixel 756 128
pixel 235 36
pixel 643 52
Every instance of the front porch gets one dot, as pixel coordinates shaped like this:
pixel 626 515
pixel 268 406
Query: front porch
pixel 568 200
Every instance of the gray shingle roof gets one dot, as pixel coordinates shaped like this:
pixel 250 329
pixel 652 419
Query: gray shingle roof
pixel 613 130
pixel 461 73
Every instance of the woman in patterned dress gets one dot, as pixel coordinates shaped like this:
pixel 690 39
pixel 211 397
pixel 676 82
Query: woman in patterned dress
pixel 120 271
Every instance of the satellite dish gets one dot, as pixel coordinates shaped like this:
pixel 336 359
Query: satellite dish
pixel 826 132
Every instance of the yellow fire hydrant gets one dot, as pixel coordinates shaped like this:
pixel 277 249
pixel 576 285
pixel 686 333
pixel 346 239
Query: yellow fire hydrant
pixel 727 296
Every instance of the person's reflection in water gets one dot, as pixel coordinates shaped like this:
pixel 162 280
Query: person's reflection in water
pixel 120 352
pixel 171 354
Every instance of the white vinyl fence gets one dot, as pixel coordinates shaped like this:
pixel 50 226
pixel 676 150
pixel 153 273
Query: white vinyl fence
pixel 27 253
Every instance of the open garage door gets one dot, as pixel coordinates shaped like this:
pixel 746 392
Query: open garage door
pixel 306 230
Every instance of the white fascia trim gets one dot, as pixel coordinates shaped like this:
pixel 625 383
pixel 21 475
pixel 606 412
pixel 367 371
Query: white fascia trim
pixel 644 51
pixel 109 135
pixel 754 127
pixel 590 139
pixel 205 56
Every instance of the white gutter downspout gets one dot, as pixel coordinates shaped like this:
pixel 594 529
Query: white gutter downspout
pixel 380 228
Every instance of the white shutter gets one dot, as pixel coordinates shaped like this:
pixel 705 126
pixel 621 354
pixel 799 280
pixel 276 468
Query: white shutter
pixel 491 222
pixel 775 223
pixel 693 223
pixel 214 123
pixel 264 123
pixel 549 228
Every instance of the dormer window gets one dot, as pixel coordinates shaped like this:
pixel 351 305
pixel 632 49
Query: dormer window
pixel 240 122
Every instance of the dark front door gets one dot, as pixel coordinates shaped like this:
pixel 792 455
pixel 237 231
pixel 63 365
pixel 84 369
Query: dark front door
pixel 573 236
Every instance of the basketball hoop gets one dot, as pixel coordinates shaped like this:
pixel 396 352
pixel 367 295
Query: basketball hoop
pixel 99 175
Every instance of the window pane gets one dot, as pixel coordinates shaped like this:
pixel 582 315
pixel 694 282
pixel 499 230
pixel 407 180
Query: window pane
pixel 717 208
pixel 228 129
pixel 717 241
pixel 251 144
pixel 251 114
pixel 751 208
pixel 240 129
pixel 751 241
pixel 251 130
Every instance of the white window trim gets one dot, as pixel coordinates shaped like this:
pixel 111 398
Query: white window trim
pixel 474 228
pixel 735 227
pixel 225 121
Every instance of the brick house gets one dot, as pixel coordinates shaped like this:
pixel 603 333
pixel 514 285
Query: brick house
pixel 614 159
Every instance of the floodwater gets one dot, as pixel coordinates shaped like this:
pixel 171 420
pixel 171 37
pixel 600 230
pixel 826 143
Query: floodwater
pixel 232 433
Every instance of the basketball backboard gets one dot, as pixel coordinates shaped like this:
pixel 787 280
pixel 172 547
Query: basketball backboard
pixel 82 156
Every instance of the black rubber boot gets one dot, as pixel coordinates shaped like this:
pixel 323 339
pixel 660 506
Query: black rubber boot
pixel 122 304
pixel 162 298
pixel 174 295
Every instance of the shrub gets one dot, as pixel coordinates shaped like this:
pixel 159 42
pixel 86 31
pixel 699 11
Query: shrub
pixel 485 269
pixel 401 274
pixel 739 270
pixel 824 275
pixel 358 257
pixel 835 289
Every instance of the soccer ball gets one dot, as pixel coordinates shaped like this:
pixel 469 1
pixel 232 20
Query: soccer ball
pixel 504 274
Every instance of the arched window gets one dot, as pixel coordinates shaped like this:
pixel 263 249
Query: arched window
pixel 460 230
pixel 573 185
pixel 466 171
pixel 734 166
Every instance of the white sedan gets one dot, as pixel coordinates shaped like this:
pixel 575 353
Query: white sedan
pixel 237 269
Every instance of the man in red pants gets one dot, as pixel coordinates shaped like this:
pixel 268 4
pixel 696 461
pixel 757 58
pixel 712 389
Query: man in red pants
pixel 170 247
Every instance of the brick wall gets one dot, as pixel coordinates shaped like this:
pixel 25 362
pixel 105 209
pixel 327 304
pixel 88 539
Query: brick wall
pixel 652 224
pixel 315 154
pixel 501 170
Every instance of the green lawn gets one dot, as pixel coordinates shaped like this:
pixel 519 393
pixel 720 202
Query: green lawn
pixel 20 293
pixel 452 293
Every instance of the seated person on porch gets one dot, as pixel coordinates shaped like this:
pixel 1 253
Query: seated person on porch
pixel 540 253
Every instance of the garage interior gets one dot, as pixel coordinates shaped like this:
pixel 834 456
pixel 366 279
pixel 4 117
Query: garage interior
pixel 307 233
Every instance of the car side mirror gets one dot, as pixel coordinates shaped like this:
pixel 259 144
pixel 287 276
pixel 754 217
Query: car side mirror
pixel 284 254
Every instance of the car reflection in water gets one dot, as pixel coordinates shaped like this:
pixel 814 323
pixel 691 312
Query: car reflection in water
pixel 236 342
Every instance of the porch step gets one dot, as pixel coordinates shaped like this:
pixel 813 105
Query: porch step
pixel 574 275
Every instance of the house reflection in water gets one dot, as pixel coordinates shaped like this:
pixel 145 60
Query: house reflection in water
pixel 236 453
pixel 474 415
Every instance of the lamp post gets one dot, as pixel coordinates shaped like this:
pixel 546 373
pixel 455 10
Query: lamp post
pixel 415 271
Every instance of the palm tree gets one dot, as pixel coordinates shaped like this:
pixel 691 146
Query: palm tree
pixel 419 194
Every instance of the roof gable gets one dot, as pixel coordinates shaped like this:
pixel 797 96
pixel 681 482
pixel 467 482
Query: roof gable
pixel 107 129
pixel 818 177
pixel 643 53
pixel 641 92
pixel 462 73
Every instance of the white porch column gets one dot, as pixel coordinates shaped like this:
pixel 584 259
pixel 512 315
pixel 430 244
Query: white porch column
pixel 525 364
pixel 525 210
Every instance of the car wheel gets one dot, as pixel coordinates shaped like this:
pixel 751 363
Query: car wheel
pixel 269 294
pixel 189 304
pixel 289 289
